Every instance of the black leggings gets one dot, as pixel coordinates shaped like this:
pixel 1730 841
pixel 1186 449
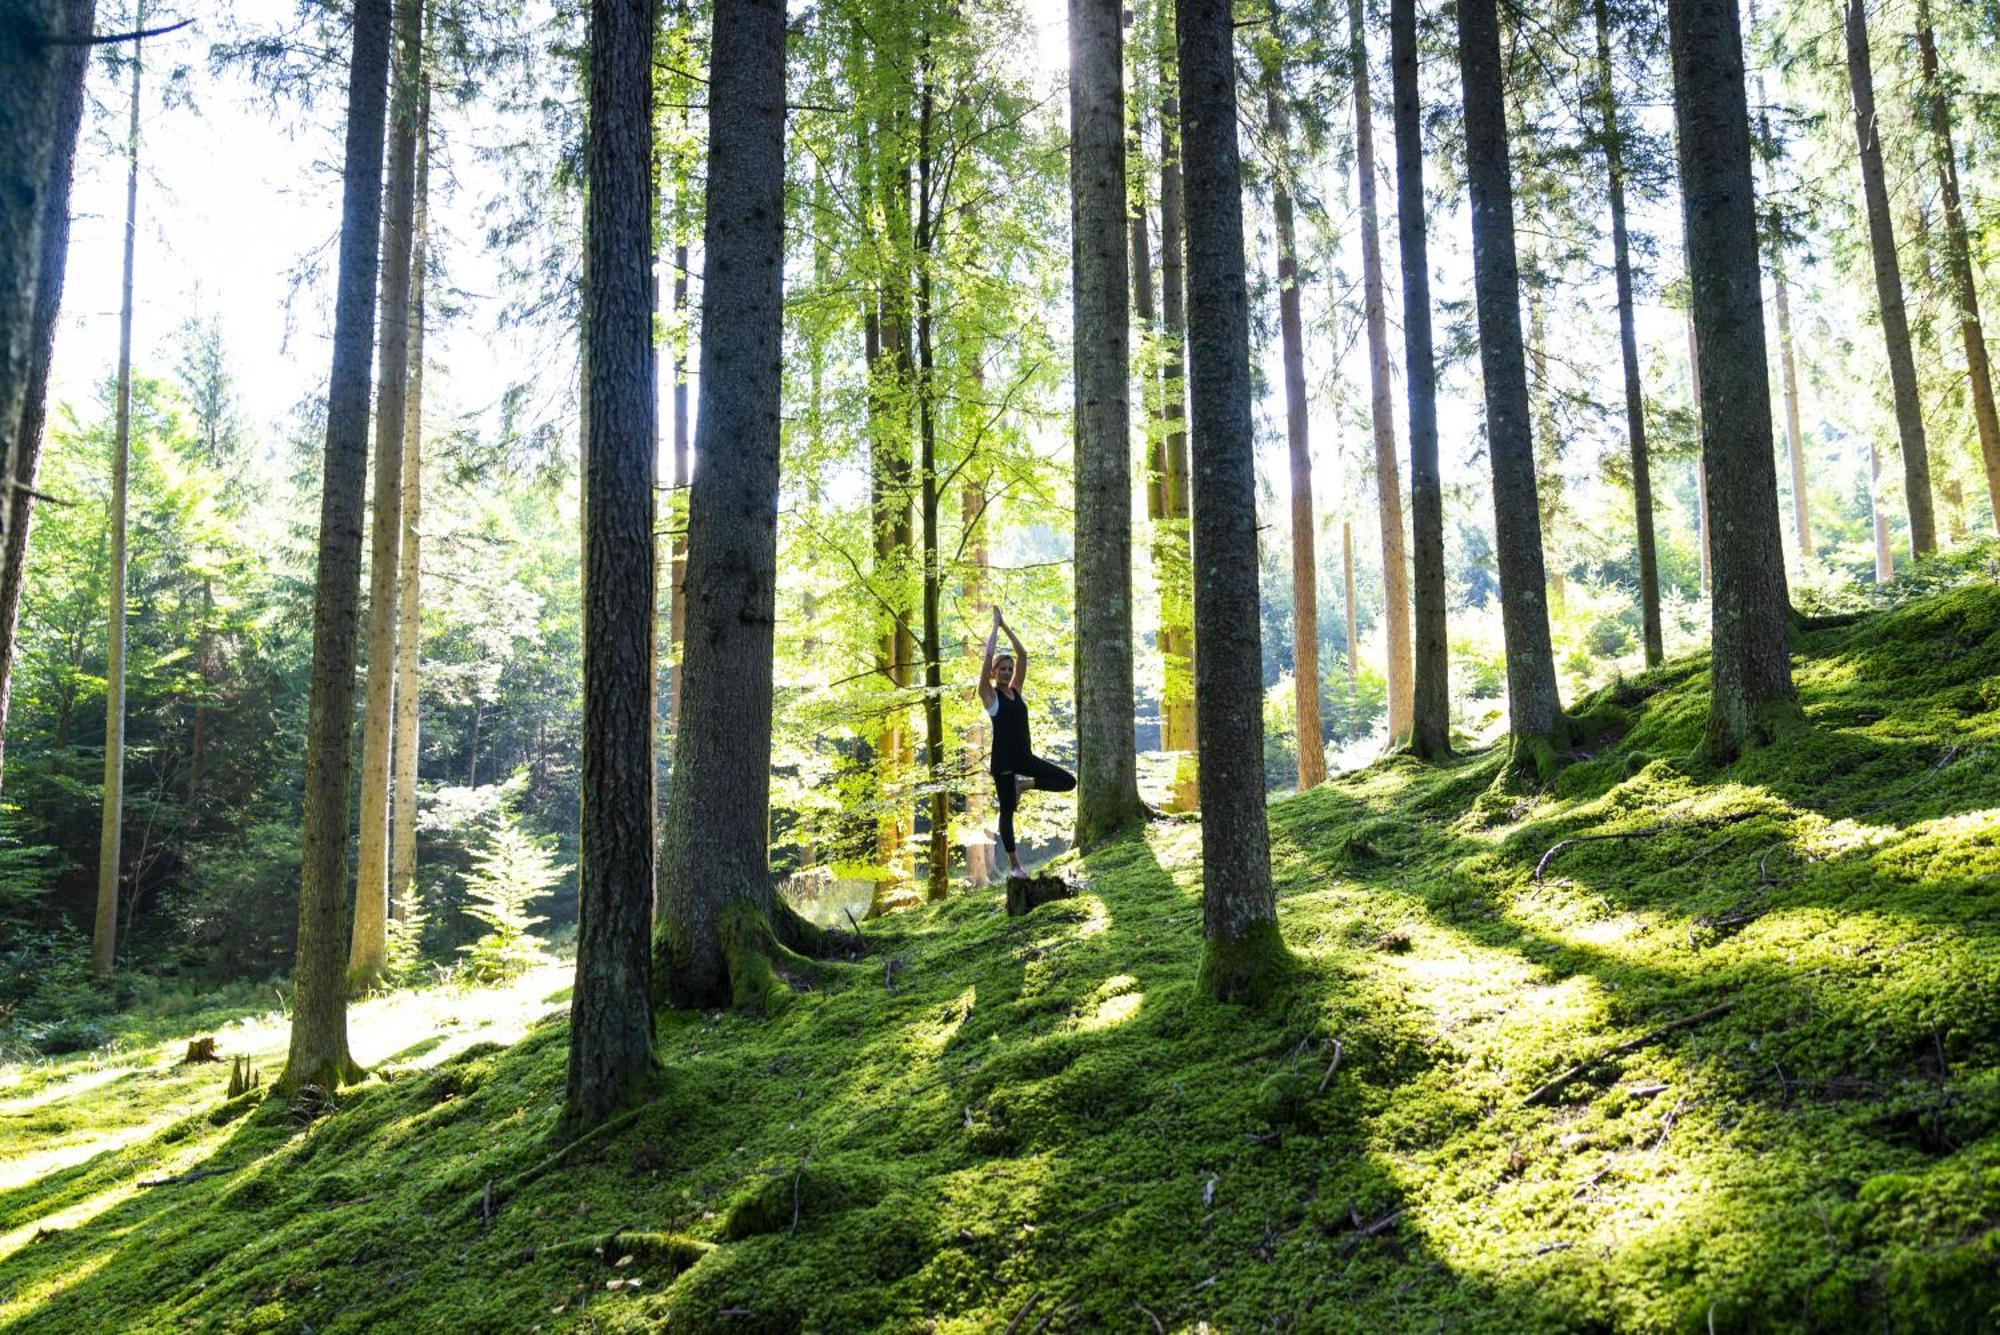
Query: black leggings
pixel 1049 778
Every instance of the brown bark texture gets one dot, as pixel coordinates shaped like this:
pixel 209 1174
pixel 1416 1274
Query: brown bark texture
pixel 1750 665
pixel 409 577
pixel 610 1026
pixel 318 1053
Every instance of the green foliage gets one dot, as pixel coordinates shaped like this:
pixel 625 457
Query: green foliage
pixel 509 874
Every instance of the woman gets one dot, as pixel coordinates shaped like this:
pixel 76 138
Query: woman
pixel 1016 768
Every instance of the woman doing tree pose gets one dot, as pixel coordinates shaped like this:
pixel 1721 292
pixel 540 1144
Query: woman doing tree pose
pixel 1016 768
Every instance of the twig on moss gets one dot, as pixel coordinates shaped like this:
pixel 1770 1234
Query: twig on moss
pixel 195 1176
pixel 1331 1067
pixel 1158 1324
pixel 1631 1045
pixel 1022 1315
pixel 1561 844
pixel 1363 1232
pixel 1951 754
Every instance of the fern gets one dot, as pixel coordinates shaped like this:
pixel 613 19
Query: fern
pixel 509 874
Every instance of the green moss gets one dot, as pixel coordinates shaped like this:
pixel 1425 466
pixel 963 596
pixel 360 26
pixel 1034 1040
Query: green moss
pixel 1252 968
pixel 1046 1117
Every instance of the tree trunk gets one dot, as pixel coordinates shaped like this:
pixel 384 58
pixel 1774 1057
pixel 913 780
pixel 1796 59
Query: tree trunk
pixel 610 1027
pixel 1889 286
pixel 1170 542
pixel 1108 777
pixel 1751 693
pixel 1700 475
pixel 1388 476
pixel 26 446
pixel 1534 711
pixel 104 939
pixel 1292 340
pixel 939 816
pixel 409 576
pixel 1795 440
pixel 979 868
pixel 1958 258
pixel 1430 694
pixel 1243 956
pixel 677 574
pixel 717 941
pixel 318 1054
pixel 1878 519
pixel 368 952
pixel 1628 349
pixel 36 75
pixel 1353 630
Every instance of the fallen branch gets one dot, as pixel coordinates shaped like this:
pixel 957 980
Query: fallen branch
pixel 1631 1045
pixel 1022 1315
pixel 195 1176
pixel 1561 844
pixel 1158 1324
pixel 1331 1067
pixel 1363 1232
pixel 1951 754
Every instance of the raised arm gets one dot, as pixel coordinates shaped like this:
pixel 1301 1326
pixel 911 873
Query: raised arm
pixel 986 668
pixel 1020 656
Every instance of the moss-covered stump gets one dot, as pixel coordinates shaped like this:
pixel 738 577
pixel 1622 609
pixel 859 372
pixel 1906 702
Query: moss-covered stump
pixel 1026 894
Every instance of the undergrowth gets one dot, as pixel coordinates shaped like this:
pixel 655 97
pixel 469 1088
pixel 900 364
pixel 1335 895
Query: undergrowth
pixel 1661 1048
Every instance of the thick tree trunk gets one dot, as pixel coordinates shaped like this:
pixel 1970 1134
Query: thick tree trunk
pixel 17 502
pixel 610 1026
pixel 368 951
pixel 939 814
pixel 1388 475
pixel 1243 956
pixel 1108 779
pixel 111 828
pixel 1628 349
pixel 36 73
pixel 409 575
pixel 1958 258
pixel 1534 711
pixel 1430 694
pixel 716 941
pixel 1889 286
pixel 1170 542
pixel 979 868
pixel 1751 693
pixel 1298 439
pixel 1548 449
pixel 318 1054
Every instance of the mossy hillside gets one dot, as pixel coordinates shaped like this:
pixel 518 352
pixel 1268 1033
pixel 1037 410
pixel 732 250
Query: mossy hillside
pixel 1040 1117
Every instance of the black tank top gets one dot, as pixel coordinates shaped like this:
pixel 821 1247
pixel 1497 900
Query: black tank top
pixel 1010 733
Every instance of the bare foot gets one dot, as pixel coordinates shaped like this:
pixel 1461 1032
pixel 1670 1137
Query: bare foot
pixel 1023 782
pixel 1017 873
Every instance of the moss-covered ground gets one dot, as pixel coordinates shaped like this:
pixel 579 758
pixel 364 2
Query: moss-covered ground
pixel 1662 1048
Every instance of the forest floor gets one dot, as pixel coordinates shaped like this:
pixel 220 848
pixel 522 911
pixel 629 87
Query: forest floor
pixel 1667 1047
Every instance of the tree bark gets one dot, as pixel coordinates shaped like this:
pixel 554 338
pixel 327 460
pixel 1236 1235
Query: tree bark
pixel 35 77
pixel 26 445
pixel 1292 346
pixel 1628 349
pixel 1878 519
pixel 1108 776
pixel 368 950
pixel 1751 693
pixel 104 938
pixel 1534 710
pixel 716 939
pixel 1889 286
pixel 939 815
pixel 409 575
pixel 677 576
pixel 318 1054
pixel 1700 474
pixel 1958 258
pixel 1795 440
pixel 1430 694
pixel 1353 629
pixel 979 868
pixel 610 1028
pixel 1243 956
pixel 1170 541
pixel 1388 476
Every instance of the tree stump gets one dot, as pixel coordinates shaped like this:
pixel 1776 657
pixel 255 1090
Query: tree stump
pixel 1024 895
pixel 200 1050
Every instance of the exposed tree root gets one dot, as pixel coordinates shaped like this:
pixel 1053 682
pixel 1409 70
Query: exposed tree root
pixel 1631 1045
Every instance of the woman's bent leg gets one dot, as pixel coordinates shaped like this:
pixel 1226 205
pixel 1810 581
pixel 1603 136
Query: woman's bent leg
pixel 1049 777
